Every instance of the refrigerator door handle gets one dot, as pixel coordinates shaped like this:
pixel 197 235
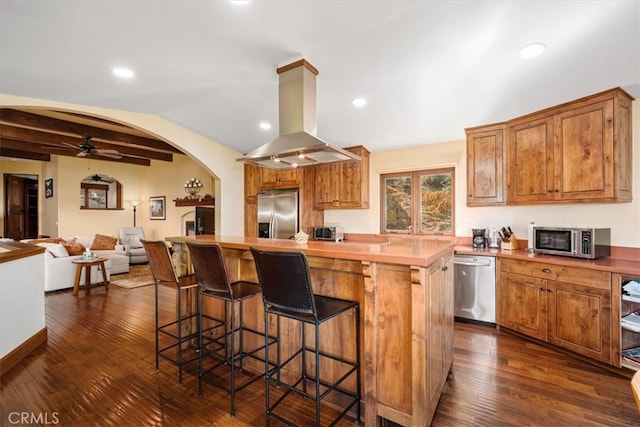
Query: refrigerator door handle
pixel 272 226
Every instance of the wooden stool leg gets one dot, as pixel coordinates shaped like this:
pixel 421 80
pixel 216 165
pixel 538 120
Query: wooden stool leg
pixel 76 282
pixel 105 281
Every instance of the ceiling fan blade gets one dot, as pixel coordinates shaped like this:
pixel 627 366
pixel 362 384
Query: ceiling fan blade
pixel 110 155
pixel 101 151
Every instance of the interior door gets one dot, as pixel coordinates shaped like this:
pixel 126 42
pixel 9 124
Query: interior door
pixel 21 202
pixel 15 212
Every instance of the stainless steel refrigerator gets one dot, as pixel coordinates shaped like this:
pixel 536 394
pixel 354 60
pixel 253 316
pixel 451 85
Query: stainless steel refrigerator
pixel 278 214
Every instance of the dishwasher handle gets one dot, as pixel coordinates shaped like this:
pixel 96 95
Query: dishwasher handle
pixel 473 263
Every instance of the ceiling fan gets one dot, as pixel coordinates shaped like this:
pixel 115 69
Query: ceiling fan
pixel 88 149
pixel 100 178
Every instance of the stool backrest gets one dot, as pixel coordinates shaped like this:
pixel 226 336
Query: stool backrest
pixel 285 280
pixel 160 261
pixel 209 267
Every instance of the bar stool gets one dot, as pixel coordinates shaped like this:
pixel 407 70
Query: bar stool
pixel 164 273
pixel 286 292
pixel 213 280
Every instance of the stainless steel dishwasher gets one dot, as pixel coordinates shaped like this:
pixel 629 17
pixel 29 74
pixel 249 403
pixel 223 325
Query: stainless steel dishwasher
pixel 475 288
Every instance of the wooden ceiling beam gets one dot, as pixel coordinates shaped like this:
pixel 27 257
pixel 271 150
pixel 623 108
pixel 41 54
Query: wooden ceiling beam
pixel 19 154
pixel 16 117
pixel 21 146
pixel 39 138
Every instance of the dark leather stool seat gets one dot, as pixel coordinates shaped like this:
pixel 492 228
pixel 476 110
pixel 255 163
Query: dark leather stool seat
pixel 174 331
pixel 287 292
pixel 224 341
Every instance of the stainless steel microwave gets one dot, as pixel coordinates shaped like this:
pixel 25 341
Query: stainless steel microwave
pixel 335 234
pixel 589 243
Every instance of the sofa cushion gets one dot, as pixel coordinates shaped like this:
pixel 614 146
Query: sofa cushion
pixel 131 240
pixel 84 240
pixel 102 242
pixel 55 249
pixel 74 248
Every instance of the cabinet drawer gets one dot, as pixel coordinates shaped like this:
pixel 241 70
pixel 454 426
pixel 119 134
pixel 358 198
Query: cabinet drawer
pixel 581 276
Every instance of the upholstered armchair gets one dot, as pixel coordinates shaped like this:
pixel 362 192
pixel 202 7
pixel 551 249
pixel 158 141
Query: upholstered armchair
pixel 130 238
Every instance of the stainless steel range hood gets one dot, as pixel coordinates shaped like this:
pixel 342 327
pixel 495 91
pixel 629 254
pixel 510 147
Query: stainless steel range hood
pixel 297 144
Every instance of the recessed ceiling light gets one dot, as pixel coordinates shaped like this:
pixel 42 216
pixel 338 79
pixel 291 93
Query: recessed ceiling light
pixel 265 125
pixel 531 50
pixel 123 73
pixel 239 1
pixel 359 102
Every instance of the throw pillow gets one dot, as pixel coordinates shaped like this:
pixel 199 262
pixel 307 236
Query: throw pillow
pixel 49 240
pixel 55 249
pixel 74 248
pixel 102 242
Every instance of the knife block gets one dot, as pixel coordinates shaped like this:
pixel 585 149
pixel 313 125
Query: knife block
pixel 511 245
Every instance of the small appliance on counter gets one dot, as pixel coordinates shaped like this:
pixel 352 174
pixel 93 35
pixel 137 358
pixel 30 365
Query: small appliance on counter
pixel 333 234
pixel 589 243
pixel 494 239
pixel 479 237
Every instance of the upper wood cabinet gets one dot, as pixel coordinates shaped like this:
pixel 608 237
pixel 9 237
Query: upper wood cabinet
pixel 271 179
pixel 343 185
pixel 577 152
pixel 531 161
pixel 486 154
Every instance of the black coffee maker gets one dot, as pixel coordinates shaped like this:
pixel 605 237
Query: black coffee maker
pixel 479 237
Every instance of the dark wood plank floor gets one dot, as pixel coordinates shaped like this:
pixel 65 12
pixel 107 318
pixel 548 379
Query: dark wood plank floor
pixel 97 369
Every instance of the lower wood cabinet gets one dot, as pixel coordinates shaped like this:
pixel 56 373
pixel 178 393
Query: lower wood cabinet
pixel 567 306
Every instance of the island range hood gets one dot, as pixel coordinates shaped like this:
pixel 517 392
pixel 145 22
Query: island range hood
pixel 297 144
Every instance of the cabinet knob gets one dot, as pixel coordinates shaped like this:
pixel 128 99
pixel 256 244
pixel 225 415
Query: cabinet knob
pixel 542 289
pixel 546 270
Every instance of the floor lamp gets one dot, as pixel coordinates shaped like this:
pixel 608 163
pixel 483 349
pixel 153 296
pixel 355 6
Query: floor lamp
pixel 135 204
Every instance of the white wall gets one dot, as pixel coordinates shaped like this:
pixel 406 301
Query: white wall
pixel 622 218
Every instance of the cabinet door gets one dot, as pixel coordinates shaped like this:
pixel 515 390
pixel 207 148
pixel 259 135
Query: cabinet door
pixel 485 165
pixel 327 181
pixel 523 304
pixel 250 220
pixel 580 319
pixel 350 184
pixel 530 161
pixel 584 153
pixel 273 179
pixel 251 183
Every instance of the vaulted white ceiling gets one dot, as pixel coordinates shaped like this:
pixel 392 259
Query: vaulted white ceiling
pixel 428 69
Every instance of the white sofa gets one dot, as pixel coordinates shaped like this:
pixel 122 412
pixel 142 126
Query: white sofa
pixel 60 271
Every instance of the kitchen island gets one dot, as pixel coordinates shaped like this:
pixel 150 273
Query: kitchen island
pixel 405 292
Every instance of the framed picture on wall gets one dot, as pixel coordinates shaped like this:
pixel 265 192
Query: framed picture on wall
pixel 157 207
pixel 48 187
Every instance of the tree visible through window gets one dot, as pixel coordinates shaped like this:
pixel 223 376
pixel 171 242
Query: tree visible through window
pixel 418 202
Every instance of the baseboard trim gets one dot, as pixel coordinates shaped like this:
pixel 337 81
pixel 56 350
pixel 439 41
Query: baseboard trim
pixel 23 350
